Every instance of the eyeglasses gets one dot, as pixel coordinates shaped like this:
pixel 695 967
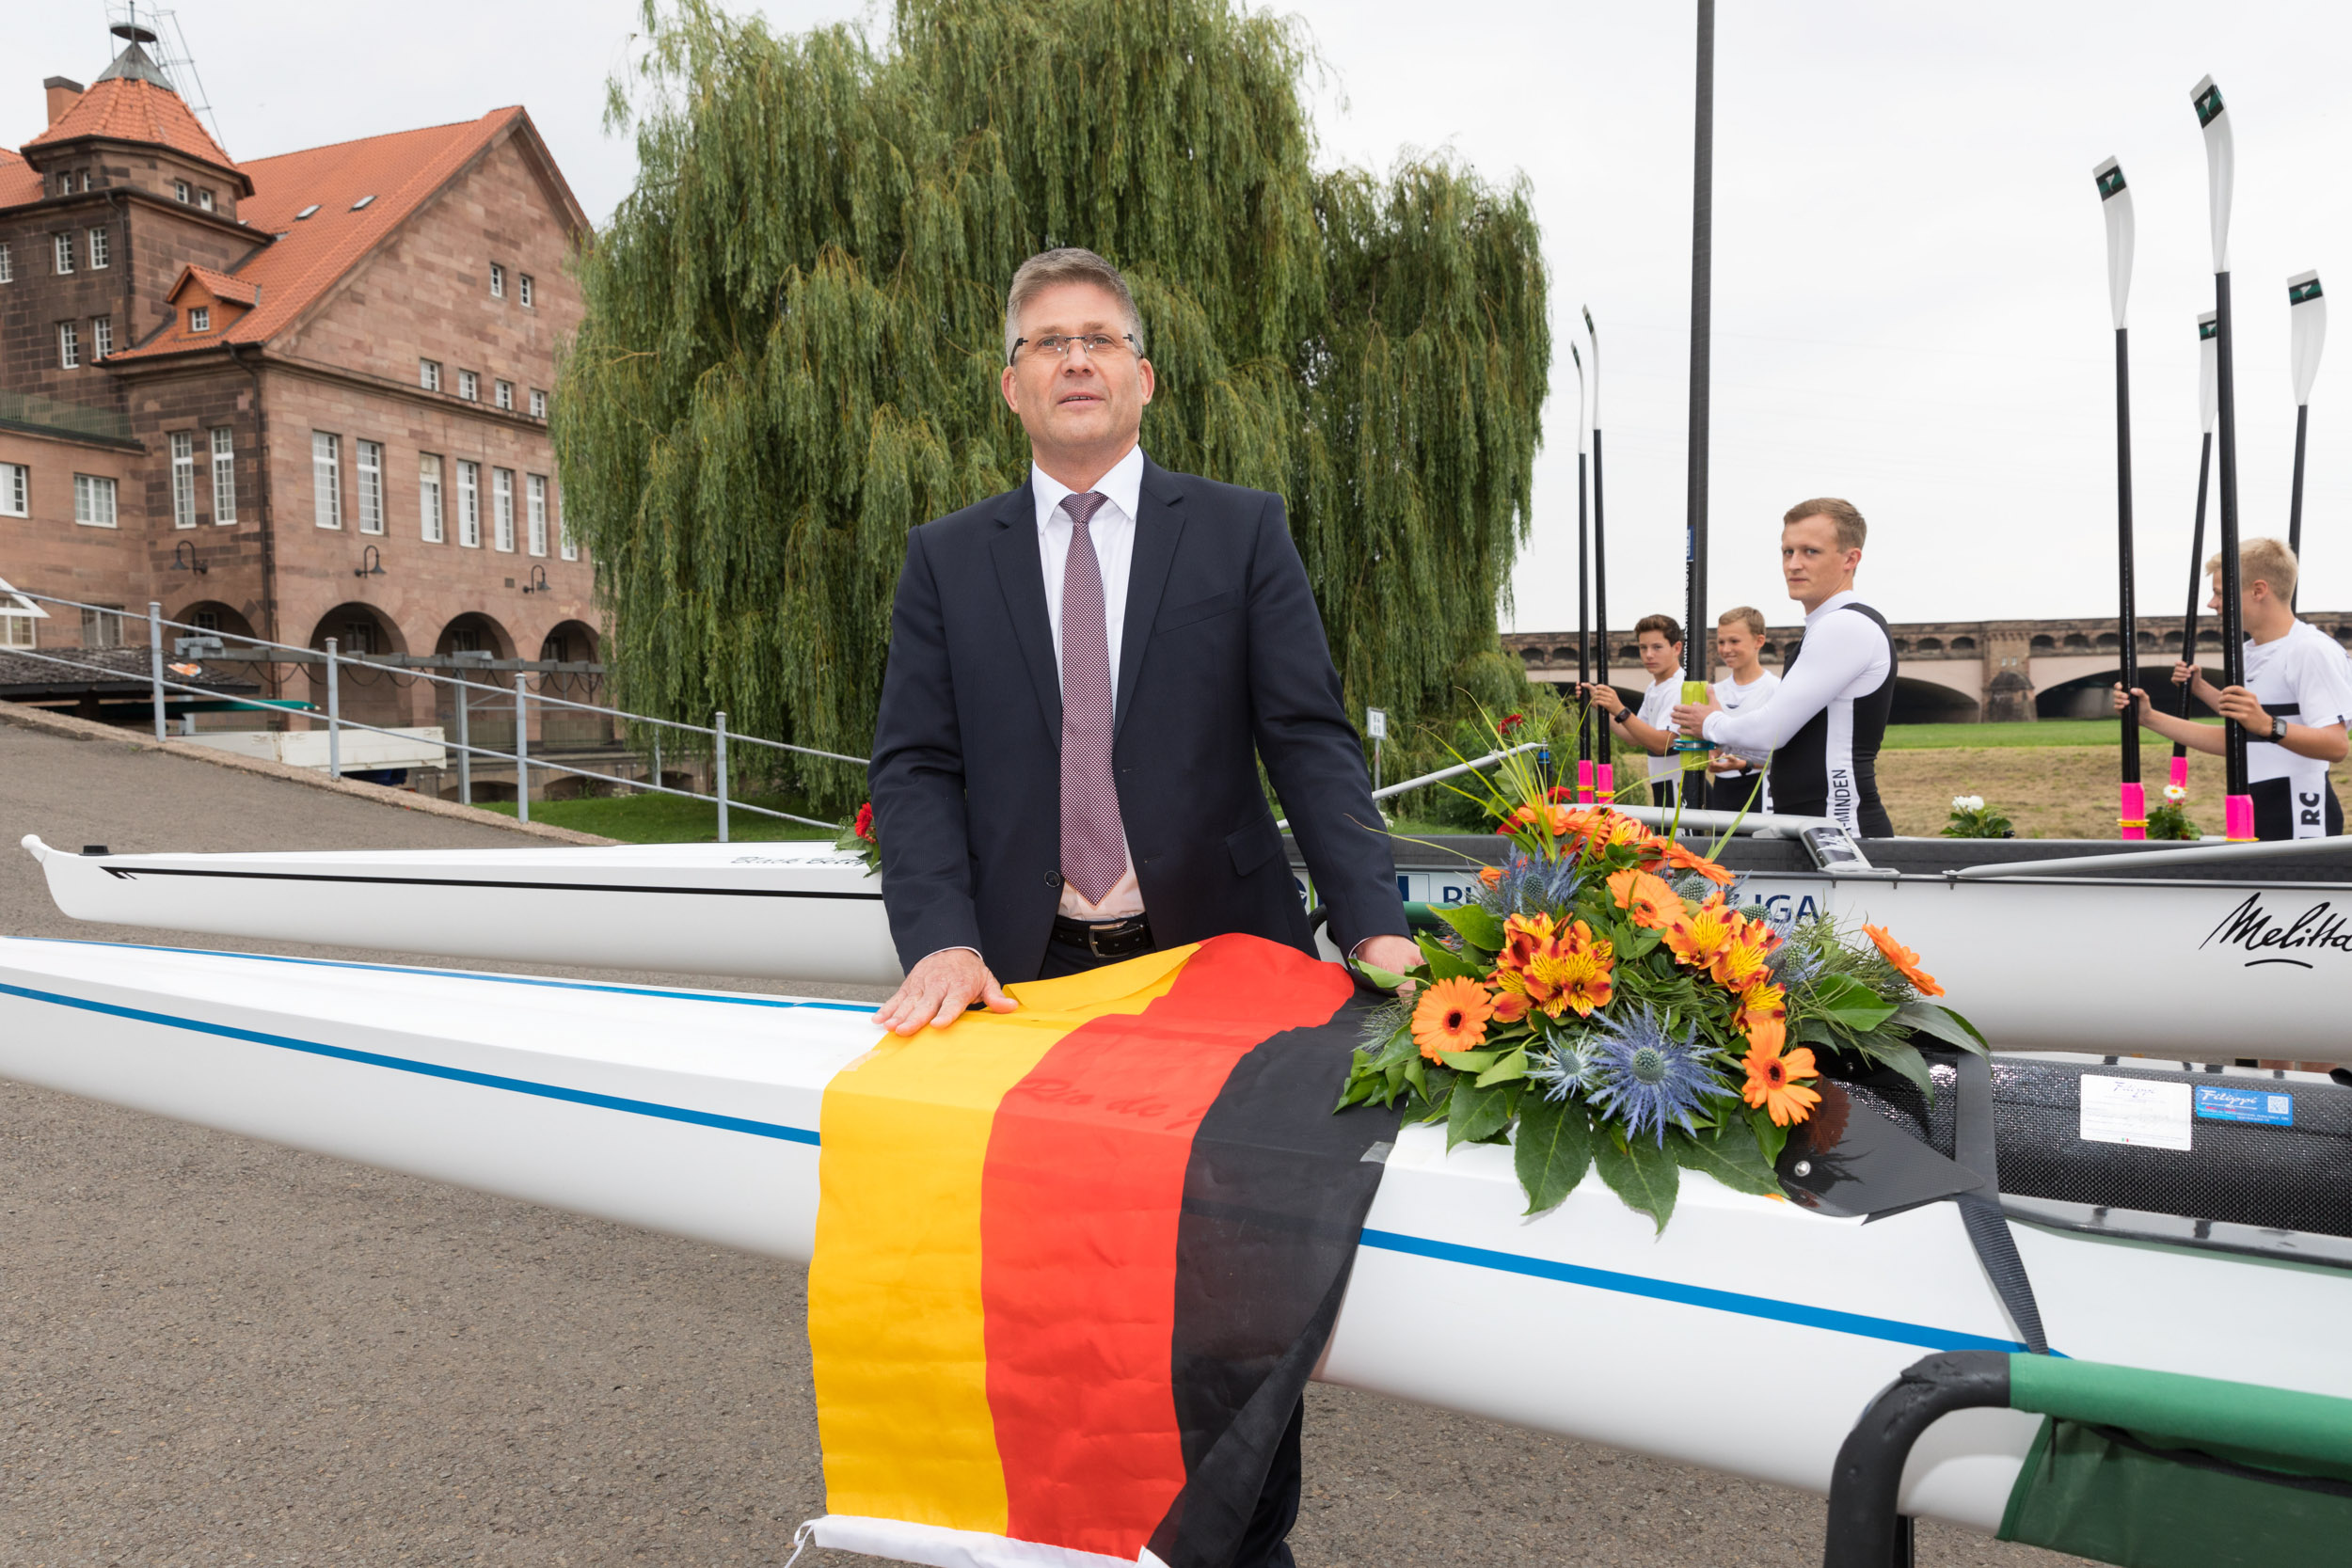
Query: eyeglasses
pixel 1097 344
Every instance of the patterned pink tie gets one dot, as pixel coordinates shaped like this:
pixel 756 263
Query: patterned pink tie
pixel 1093 845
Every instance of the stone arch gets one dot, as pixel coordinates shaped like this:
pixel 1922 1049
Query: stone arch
pixel 372 695
pixel 1918 701
pixel 213 617
pixel 570 643
pixel 475 631
pixel 489 721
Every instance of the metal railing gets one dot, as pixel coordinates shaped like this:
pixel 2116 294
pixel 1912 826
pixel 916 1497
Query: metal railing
pixel 217 644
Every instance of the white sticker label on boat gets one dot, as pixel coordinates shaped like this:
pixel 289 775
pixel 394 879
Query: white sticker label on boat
pixel 2135 1111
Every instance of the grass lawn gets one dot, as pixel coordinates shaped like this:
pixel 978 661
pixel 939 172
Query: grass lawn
pixel 1976 738
pixel 669 819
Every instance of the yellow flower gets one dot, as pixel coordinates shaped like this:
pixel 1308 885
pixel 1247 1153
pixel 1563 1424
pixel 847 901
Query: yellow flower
pixel 1451 1016
pixel 1742 963
pixel 1905 960
pixel 1762 1015
pixel 1698 939
pixel 1553 969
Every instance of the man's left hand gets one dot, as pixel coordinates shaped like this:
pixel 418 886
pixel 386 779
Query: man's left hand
pixel 2243 706
pixel 1394 954
pixel 1690 717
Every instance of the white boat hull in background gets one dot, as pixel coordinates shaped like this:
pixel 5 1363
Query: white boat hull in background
pixel 696 1114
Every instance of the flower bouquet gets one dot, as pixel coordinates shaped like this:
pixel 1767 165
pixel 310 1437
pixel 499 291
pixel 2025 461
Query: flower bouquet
pixel 1606 997
pixel 858 838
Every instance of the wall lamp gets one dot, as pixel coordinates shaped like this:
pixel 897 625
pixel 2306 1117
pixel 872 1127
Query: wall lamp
pixel 183 559
pixel 371 564
pixel 539 581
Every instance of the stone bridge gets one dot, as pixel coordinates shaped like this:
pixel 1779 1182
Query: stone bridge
pixel 1962 671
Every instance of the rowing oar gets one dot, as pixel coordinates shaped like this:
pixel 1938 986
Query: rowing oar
pixel 2197 540
pixel 1583 605
pixel 2220 171
pixel 2115 204
pixel 1604 769
pixel 1696 654
pixel 2307 315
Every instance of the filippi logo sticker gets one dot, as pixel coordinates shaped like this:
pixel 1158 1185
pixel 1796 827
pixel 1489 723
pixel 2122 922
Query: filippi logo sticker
pixel 2269 938
pixel 2222 1102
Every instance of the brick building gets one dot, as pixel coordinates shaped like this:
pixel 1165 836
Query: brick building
pixel 299 397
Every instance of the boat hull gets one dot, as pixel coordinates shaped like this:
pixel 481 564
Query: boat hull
pixel 695 1113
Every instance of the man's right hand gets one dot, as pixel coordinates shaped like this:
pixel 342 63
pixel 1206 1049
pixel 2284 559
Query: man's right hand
pixel 937 990
pixel 1603 697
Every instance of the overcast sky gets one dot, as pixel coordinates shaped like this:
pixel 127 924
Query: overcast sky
pixel 1910 287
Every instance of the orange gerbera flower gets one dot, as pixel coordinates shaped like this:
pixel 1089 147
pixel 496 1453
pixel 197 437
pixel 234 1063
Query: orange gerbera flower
pixel 1905 959
pixel 1450 1015
pixel 1772 1082
pixel 1652 903
pixel 1683 858
pixel 1698 939
pixel 1762 1015
pixel 1555 969
pixel 1491 876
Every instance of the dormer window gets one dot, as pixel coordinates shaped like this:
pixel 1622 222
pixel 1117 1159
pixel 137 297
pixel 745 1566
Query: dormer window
pixel 205 199
pixel 199 318
pixel 179 189
pixel 305 212
pixel 497 281
pixel 362 202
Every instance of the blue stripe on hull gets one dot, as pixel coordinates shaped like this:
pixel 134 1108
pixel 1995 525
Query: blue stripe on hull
pixel 428 1069
pixel 1687 1295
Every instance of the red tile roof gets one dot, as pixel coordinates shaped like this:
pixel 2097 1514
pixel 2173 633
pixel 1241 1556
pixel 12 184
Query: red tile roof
pixel 220 285
pixel 401 171
pixel 126 109
pixel 19 181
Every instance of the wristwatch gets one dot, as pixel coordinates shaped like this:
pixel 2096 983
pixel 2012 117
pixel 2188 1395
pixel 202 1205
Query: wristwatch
pixel 2277 728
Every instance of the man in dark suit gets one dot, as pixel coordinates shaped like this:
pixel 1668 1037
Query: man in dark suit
pixel 1084 675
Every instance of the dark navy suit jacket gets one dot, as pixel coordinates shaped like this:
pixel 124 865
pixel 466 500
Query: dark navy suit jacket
pixel 1222 662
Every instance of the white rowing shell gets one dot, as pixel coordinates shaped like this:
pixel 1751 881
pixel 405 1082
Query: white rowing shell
pixel 1747 1338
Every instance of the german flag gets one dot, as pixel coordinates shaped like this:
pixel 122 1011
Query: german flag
pixel 1074 1264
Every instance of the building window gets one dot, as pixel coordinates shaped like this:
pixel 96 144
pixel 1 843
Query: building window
pixel 16 490
pixel 205 199
pixel 100 253
pixel 371 486
pixel 179 189
pixel 199 318
pixel 502 496
pixel 497 281
pixel 183 478
pixel 470 385
pixel 429 374
pixel 204 619
pixel 538 513
pixel 525 280
pixel 8 266
pixel 429 496
pixel 505 395
pixel 470 504
pixel 326 479
pixel 68 346
pixel 101 627
pixel 16 630
pixel 223 476
pixel 61 246
pixel 93 501
pixel 538 403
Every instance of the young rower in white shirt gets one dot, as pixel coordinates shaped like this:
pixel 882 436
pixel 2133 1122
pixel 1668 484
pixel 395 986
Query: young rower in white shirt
pixel 2294 704
pixel 1658 639
pixel 1736 782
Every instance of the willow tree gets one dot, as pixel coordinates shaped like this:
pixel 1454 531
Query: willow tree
pixel 793 336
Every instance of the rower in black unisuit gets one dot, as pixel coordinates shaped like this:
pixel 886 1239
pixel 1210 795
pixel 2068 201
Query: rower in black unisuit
pixel 1825 724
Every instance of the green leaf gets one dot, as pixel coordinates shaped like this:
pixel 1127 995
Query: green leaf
pixel 1444 965
pixel 1478 927
pixel 1904 1058
pixel 1551 1151
pixel 1476 1114
pixel 1770 1139
pixel 1849 1001
pixel 1468 1061
pixel 1379 976
pixel 1418 1076
pixel 1942 1024
pixel 1728 1155
pixel 1641 1173
pixel 1639 942
pixel 1510 1067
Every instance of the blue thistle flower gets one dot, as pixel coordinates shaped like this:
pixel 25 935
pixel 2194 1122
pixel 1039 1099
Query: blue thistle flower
pixel 1645 1077
pixel 1563 1068
pixel 1793 963
pixel 1533 885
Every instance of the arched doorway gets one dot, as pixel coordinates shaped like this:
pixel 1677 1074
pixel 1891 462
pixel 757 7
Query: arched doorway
pixel 370 692
pixel 489 719
pixel 571 643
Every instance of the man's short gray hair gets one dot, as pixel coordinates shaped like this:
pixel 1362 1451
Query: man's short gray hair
pixel 1070 264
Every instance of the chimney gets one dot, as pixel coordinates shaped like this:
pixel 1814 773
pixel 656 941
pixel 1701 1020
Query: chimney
pixel 63 95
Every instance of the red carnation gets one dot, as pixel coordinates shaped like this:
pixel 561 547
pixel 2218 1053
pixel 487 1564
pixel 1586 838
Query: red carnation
pixel 865 825
pixel 1509 722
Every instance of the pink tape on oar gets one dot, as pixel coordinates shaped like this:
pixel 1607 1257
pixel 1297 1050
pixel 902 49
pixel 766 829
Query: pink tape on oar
pixel 2180 772
pixel 2238 815
pixel 1605 780
pixel 1584 783
pixel 2134 818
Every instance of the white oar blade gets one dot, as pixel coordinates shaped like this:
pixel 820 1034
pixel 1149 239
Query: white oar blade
pixel 1580 405
pixel 2220 164
pixel 2307 317
pixel 2209 385
pixel 2115 204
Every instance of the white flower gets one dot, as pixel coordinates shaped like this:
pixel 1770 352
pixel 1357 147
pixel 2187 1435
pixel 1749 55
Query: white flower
pixel 1968 802
pixel 2176 793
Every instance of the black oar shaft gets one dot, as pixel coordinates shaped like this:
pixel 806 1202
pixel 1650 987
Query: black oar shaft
pixel 1601 748
pixel 2294 502
pixel 2196 579
pixel 1583 616
pixel 1696 654
pixel 2233 620
pixel 2127 610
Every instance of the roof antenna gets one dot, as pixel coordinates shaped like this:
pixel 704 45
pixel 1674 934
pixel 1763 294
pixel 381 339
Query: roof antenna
pixel 172 64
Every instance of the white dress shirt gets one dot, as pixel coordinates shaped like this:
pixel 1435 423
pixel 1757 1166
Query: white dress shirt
pixel 1113 531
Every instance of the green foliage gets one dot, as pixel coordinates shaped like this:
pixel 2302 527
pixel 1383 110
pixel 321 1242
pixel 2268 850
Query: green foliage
pixel 2168 821
pixel 794 332
pixel 1972 818
pixel 1551 1151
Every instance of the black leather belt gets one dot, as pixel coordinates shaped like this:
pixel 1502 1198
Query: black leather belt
pixel 1108 939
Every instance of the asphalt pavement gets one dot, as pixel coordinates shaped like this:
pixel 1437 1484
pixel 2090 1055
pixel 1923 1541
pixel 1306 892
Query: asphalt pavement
pixel 215 1349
